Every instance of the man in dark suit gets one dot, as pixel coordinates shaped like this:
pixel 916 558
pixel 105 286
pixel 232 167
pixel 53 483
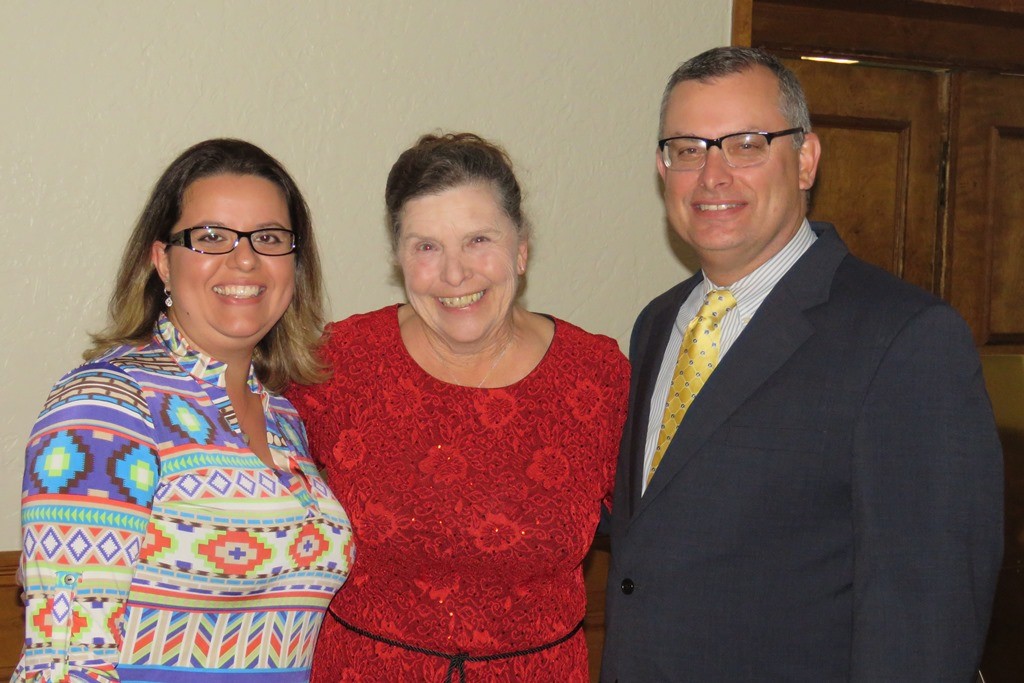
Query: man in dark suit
pixel 829 505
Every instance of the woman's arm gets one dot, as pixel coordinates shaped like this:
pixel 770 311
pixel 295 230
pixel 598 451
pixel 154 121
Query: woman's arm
pixel 91 471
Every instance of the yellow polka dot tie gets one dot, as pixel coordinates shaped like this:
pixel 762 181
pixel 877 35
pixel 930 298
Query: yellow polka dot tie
pixel 698 355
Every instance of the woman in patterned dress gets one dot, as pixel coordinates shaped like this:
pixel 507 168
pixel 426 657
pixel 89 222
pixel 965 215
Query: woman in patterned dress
pixel 174 525
pixel 472 442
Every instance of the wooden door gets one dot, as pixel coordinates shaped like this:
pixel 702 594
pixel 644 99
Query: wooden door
pixel 985 279
pixel 986 283
pixel 881 181
pixel 882 133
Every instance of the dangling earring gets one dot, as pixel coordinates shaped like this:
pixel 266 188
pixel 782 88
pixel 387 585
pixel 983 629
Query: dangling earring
pixel 168 301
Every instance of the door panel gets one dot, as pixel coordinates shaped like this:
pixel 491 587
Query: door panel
pixel 867 208
pixel 985 278
pixel 1007 227
pixel 882 132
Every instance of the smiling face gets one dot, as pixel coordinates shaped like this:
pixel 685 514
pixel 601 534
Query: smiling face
pixel 225 304
pixel 460 257
pixel 736 218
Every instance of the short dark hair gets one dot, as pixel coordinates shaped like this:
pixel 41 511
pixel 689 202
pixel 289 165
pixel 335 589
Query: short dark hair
pixel 288 352
pixel 726 61
pixel 441 162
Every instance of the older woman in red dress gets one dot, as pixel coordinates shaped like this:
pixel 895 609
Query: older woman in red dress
pixel 472 442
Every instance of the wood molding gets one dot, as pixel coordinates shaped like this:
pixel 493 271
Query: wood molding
pixel 742 15
pixel 12 618
pixel 923 33
pixel 991 12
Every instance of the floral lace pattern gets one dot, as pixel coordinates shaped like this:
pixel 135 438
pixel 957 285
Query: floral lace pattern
pixel 472 508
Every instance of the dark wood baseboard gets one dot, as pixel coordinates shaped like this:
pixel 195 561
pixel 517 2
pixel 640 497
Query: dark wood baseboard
pixel 595 570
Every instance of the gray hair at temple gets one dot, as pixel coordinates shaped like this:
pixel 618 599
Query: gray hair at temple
pixel 726 61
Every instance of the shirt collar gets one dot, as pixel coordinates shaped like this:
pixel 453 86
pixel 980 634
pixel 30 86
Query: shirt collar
pixel 196 363
pixel 751 290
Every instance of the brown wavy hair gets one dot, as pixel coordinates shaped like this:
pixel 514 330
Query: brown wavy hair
pixel 288 353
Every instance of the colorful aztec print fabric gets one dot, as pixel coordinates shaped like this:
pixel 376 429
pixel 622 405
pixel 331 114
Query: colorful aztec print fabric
pixel 156 545
pixel 473 508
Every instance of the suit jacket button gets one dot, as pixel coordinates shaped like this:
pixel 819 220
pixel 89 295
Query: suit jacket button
pixel 627 586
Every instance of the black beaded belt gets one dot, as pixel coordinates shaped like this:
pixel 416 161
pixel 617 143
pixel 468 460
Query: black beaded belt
pixel 456 662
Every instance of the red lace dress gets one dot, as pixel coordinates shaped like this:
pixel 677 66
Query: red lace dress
pixel 472 508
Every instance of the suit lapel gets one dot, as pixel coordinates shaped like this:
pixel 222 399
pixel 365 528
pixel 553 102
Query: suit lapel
pixel 749 363
pixel 646 374
pixel 777 330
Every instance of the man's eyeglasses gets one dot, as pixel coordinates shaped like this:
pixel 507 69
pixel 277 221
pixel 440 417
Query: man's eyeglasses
pixel 214 239
pixel 741 150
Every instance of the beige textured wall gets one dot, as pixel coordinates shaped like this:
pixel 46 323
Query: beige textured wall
pixel 97 97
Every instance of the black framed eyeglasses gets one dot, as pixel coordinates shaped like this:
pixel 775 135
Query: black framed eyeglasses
pixel 741 150
pixel 215 239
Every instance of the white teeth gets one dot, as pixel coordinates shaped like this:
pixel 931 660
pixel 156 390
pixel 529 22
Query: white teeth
pixel 715 207
pixel 460 301
pixel 238 291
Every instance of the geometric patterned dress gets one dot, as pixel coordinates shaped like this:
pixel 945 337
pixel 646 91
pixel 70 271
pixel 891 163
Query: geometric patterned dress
pixel 156 545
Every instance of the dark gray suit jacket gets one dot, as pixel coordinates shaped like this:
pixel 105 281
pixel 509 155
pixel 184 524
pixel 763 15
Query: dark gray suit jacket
pixel 831 507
